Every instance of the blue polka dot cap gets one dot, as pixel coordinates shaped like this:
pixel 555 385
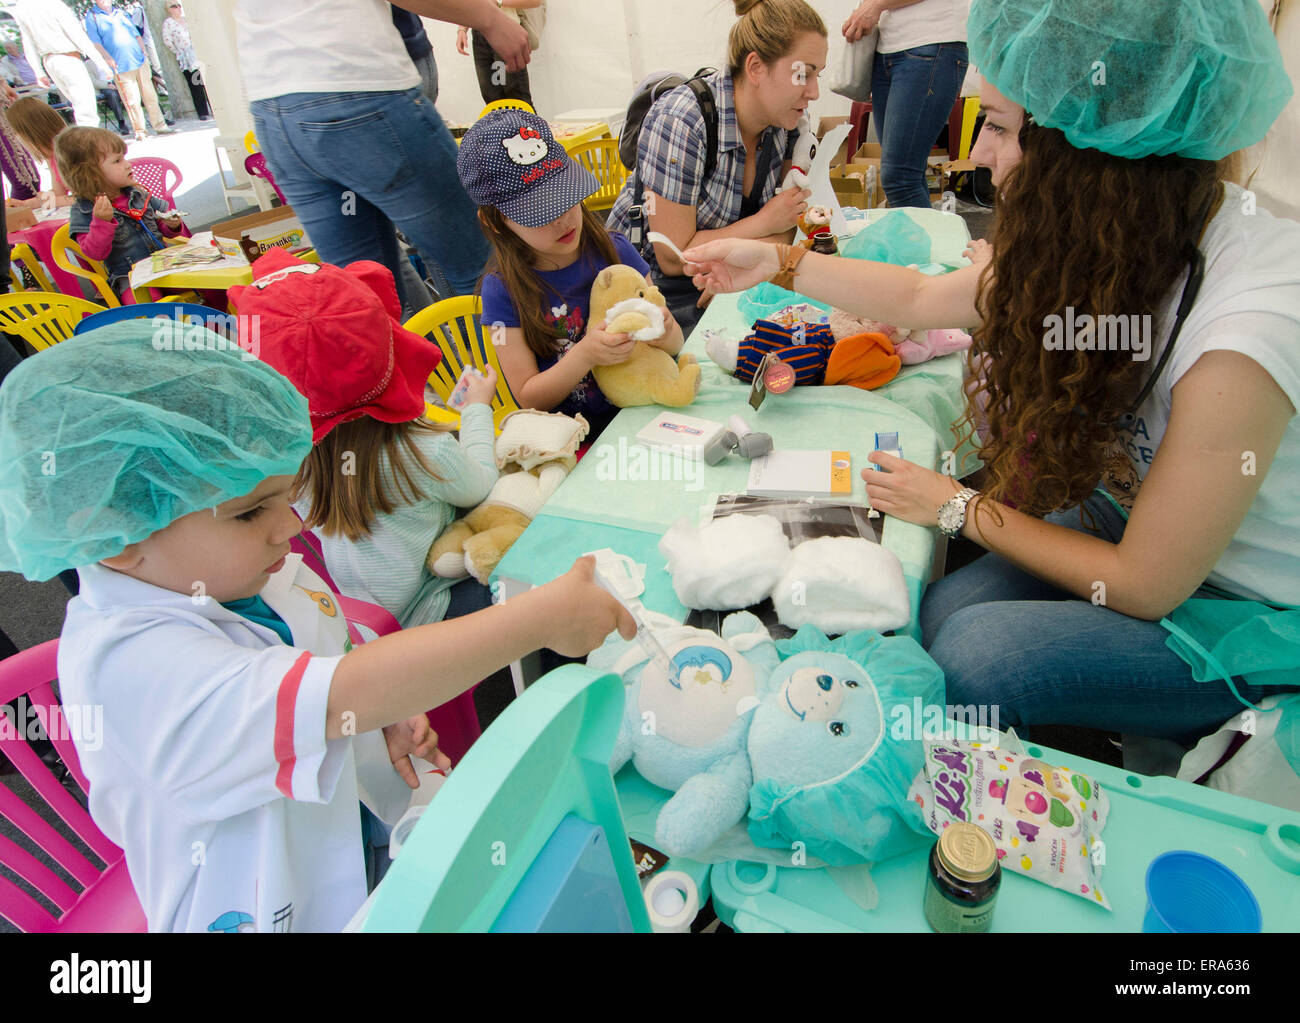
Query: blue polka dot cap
pixel 510 160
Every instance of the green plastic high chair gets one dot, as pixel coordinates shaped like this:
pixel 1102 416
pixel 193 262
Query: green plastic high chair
pixel 527 834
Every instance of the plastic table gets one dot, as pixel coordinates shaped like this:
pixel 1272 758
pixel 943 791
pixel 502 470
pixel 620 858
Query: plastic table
pixel 1148 816
pixel 573 135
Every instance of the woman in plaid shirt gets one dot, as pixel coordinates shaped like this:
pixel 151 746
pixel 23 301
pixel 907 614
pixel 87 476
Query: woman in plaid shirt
pixel 775 53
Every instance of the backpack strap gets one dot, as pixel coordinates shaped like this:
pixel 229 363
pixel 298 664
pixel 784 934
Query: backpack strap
pixel 709 110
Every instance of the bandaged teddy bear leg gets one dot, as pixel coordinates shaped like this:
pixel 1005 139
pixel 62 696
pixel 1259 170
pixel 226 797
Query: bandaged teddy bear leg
pixel 722 348
pixel 484 551
pixel 446 557
pixel 682 389
pixel 705 807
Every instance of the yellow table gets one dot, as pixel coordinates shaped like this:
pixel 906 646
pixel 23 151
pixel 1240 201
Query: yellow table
pixel 202 278
pixel 572 135
pixel 569 135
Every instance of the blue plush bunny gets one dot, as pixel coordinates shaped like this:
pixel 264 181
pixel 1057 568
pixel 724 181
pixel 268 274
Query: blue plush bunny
pixel 832 756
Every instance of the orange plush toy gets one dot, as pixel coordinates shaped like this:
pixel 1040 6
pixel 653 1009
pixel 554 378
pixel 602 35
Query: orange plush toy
pixel 863 360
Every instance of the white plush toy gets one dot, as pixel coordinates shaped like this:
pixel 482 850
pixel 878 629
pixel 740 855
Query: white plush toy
pixel 801 160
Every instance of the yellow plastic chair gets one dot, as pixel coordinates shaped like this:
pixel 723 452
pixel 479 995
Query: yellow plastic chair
pixel 506 104
pixel 969 112
pixel 68 256
pixel 250 143
pixel 26 255
pixel 454 325
pixel 602 159
pixel 43 318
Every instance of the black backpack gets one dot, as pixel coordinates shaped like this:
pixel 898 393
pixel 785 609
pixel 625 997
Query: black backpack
pixel 643 99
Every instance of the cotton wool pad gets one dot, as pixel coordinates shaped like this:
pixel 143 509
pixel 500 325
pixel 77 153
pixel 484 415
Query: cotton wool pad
pixel 730 563
pixel 842 584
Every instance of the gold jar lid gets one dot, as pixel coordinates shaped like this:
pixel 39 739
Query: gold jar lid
pixel 967 852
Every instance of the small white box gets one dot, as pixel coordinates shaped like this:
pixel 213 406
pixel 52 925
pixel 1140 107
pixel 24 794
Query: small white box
pixel 685 435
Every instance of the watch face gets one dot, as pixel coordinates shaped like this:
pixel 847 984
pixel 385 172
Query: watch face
pixel 950 516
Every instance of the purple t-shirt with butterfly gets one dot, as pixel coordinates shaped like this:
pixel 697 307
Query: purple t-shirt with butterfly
pixel 570 294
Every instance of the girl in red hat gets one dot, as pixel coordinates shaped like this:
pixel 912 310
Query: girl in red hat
pixel 381 482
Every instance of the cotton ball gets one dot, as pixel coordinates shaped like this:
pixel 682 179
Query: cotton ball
pixel 842 584
pixel 731 562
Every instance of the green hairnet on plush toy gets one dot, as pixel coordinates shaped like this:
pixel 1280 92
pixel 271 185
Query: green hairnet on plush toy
pixel 834 746
pixel 797 734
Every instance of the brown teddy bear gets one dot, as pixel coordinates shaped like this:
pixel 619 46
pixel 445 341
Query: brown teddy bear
pixel 535 452
pixel 621 297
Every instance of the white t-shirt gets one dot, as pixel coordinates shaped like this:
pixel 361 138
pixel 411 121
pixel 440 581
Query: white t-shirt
pixel 320 46
pixel 212 771
pixel 923 24
pixel 1250 303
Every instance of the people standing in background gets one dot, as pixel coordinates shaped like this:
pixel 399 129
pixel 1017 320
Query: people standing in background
pixel 419 49
pixel 176 37
pixel 920 64
pixel 356 147
pixel 495 81
pixel 55 45
pixel 122 46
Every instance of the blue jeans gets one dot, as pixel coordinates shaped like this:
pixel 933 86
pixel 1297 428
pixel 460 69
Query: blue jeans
pixel 912 93
pixel 1044 656
pixel 467 596
pixel 354 164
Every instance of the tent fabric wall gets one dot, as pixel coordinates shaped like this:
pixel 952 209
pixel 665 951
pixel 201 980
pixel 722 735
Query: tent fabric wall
pixel 594 52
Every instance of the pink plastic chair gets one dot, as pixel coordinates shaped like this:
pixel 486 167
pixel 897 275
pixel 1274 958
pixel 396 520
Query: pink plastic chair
pixel 255 164
pixel 161 177
pixel 456 721
pixel 107 900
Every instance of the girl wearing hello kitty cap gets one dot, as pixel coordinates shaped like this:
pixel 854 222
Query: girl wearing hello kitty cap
pixel 547 250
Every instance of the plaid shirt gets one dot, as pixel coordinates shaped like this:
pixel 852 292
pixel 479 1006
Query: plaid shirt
pixel 671 152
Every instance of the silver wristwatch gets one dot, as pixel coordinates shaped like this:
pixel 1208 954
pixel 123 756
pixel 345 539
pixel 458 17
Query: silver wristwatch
pixel 952 513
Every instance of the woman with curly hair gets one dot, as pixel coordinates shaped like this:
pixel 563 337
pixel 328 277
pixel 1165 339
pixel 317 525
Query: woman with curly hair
pixel 1135 374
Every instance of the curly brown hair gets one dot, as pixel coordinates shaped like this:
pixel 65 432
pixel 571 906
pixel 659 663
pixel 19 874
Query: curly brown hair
pixel 1107 236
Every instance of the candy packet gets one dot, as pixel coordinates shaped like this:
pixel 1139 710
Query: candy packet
pixel 1046 821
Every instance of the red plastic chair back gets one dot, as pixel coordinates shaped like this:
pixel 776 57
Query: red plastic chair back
pixel 161 177
pixel 105 900
pixel 456 721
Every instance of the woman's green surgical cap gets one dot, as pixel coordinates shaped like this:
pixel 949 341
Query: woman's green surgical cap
pixel 1134 78
pixel 112 435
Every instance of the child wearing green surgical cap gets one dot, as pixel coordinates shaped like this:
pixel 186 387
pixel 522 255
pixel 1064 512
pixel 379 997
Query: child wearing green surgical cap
pixel 240 728
pixel 1134 374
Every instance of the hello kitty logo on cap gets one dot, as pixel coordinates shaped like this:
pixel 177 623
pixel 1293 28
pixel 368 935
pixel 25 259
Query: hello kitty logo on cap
pixel 510 160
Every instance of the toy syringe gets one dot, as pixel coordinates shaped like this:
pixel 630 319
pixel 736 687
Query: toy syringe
pixel 644 636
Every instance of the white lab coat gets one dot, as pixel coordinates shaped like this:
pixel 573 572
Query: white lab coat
pixel 213 772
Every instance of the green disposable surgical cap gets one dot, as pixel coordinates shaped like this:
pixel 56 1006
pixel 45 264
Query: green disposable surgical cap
pixel 109 436
pixel 1134 78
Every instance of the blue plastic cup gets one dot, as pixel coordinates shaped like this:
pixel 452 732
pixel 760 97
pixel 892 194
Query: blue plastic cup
pixel 1188 893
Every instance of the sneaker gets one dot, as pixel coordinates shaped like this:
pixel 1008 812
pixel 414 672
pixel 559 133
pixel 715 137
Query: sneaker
pixel 164 130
